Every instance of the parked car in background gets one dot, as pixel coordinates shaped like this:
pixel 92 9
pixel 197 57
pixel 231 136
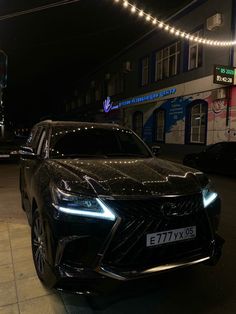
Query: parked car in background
pixel 218 158
pixel 9 149
pixel 102 206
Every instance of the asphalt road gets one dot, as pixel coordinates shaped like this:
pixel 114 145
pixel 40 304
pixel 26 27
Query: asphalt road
pixel 197 290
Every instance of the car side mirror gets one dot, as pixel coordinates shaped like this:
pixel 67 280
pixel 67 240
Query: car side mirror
pixel 27 152
pixel 156 150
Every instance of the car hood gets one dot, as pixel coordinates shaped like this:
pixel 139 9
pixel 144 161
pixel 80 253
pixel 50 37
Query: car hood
pixel 123 177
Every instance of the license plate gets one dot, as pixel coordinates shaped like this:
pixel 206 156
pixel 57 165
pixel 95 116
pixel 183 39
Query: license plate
pixel 168 236
pixel 4 156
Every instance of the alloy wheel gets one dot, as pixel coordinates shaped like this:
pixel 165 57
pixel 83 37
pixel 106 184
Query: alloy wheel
pixel 39 244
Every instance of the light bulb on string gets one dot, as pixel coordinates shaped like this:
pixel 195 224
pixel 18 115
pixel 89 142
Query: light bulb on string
pixel 172 30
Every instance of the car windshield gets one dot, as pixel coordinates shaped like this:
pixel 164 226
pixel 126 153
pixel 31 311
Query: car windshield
pixel 92 142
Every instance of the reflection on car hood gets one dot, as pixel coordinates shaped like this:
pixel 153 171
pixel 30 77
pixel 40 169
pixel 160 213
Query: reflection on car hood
pixel 123 177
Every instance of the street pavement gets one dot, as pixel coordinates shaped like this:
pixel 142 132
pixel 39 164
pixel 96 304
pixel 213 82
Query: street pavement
pixel 197 290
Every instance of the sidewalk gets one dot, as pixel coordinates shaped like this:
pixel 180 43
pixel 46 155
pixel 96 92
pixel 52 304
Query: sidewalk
pixel 20 289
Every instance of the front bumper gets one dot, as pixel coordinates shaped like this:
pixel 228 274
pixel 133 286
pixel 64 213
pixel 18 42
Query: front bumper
pixel 84 249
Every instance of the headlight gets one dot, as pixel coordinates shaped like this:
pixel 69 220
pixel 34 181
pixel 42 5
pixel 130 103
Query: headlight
pixel 209 195
pixel 80 205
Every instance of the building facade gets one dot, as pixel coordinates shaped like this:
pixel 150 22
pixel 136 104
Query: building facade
pixel 162 86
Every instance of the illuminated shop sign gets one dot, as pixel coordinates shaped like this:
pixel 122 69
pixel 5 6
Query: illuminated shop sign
pixel 108 105
pixel 224 75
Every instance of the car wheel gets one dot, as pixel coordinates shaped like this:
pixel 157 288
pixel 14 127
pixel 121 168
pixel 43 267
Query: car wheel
pixel 40 249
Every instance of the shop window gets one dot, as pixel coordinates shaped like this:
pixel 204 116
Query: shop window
pixel 138 123
pixel 159 125
pixel 198 122
pixel 167 62
pixel 195 52
pixel 145 71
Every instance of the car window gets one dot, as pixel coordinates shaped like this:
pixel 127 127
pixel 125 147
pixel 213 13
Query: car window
pixel 230 148
pixel 36 139
pixel 215 149
pixel 97 142
pixel 40 142
pixel 31 137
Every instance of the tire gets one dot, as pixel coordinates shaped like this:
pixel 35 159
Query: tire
pixel 40 249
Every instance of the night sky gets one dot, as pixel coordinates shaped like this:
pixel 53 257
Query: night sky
pixel 50 51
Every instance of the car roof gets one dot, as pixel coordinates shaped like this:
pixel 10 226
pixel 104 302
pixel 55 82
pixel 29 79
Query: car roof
pixel 223 143
pixel 78 124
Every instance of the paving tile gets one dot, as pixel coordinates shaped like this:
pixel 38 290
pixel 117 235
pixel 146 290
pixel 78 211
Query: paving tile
pixel 4 235
pixel 5 257
pixel 3 226
pixel 50 304
pixel 21 254
pixel 20 242
pixel 6 273
pixel 5 245
pixel 19 231
pixel 18 226
pixel 24 269
pixel 29 288
pixel 9 309
pixel 7 293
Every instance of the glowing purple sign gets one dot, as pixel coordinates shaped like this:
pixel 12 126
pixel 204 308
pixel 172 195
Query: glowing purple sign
pixel 107 104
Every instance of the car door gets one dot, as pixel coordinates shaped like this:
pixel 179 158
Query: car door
pixel 228 159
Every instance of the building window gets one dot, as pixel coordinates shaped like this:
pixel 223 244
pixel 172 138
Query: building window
pixel 138 123
pixel 116 84
pixel 73 104
pixel 145 71
pixel 195 53
pixel 68 107
pixel 88 98
pixel 167 62
pixel 159 125
pixel 198 122
pixel 79 102
pixel 98 93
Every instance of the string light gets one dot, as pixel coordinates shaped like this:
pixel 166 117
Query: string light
pixel 141 13
pixel 170 29
pixel 125 4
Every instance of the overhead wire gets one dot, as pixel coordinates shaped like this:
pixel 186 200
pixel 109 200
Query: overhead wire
pixel 37 9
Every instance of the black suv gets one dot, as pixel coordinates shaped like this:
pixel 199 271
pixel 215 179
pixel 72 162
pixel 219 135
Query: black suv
pixel 101 205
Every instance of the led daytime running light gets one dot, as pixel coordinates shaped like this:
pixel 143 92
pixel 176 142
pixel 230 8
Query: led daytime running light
pixel 106 214
pixel 209 197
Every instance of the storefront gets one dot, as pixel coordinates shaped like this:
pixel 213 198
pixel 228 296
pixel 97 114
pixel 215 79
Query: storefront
pixel 197 112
